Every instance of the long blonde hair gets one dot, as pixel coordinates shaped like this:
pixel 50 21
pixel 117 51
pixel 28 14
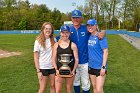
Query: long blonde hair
pixel 41 37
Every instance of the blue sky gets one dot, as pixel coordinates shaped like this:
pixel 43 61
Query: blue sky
pixel 62 5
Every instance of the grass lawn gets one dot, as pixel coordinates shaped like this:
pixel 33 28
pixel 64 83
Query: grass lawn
pixel 18 74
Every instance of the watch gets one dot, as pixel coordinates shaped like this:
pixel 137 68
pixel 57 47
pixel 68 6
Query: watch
pixel 103 67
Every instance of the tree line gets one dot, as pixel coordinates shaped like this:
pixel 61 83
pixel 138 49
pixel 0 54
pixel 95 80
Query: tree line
pixel 113 14
pixel 110 14
pixel 21 15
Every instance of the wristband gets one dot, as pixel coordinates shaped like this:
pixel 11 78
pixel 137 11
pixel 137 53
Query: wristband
pixel 38 70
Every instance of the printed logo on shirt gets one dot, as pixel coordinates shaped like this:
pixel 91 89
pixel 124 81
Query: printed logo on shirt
pixel 91 42
pixel 71 32
pixel 82 33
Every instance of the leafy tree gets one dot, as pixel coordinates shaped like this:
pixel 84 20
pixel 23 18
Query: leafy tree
pixel 8 3
pixel 23 24
pixel 56 16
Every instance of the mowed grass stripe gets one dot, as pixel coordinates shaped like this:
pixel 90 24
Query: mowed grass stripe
pixel 123 73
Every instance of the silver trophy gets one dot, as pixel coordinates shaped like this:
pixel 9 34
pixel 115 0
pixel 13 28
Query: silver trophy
pixel 65 70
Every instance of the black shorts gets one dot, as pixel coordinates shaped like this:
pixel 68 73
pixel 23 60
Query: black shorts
pixel 47 72
pixel 93 71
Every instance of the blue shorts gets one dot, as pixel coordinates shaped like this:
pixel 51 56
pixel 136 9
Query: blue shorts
pixel 47 72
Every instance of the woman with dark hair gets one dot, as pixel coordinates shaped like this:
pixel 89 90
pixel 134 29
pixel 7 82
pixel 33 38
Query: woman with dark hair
pixel 64 46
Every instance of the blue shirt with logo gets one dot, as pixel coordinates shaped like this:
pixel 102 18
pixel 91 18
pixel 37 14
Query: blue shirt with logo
pixel 95 51
pixel 80 38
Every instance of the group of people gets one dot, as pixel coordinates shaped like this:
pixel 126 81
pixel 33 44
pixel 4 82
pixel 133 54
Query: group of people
pixel 88 47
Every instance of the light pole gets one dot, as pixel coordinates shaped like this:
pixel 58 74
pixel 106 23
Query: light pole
pixel 74 4
pixel 119 22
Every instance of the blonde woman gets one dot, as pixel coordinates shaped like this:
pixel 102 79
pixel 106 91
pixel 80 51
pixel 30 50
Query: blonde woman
pixel 97 57
pixel 43 58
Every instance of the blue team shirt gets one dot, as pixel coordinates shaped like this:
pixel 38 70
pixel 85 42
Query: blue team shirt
pixel 95 51
pixel 80 38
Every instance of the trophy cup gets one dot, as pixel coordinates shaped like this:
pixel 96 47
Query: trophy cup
pixel 64 70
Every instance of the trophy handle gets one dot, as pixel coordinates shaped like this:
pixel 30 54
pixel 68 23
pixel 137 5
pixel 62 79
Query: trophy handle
pixel 59 60
pixel 71 60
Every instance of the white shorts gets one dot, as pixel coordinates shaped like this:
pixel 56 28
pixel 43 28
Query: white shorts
pixel 82 73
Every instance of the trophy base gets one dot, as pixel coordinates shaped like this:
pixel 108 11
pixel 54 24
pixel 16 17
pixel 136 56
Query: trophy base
pixel 64 72
pixel 65 76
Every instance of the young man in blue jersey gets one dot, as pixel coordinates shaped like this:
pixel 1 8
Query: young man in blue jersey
pixel 97 57
pixel 80 36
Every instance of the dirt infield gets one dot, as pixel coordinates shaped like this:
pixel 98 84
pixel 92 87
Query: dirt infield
pixel 8 54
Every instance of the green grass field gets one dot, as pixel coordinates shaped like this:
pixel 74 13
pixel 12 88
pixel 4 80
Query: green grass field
pixel 18 75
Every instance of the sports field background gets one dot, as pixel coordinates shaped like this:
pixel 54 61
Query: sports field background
pixel 18 75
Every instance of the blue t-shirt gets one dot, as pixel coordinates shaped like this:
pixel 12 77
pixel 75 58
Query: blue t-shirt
pixel 95 51
pixel 80 38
